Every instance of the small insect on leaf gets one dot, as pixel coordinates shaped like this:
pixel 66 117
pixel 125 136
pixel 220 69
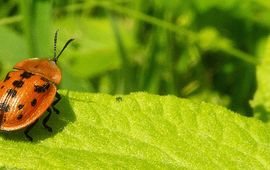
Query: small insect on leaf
pixel 118 99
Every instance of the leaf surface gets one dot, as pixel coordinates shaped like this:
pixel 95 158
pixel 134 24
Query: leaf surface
pixel 261 100
pixel 140 131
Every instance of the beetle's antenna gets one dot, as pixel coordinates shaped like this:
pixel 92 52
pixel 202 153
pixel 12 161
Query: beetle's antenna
pixel 54 45
pixel 67 43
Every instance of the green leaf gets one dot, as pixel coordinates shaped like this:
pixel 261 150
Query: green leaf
pixel 261 101
pixel 140 131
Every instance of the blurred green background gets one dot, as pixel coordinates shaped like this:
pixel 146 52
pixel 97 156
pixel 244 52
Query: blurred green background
pixel 203 50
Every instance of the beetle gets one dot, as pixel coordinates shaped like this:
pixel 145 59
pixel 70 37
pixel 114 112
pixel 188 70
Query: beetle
pixel 29 91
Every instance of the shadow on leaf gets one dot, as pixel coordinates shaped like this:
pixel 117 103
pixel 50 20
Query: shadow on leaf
pixel 56 122
pixel 263 113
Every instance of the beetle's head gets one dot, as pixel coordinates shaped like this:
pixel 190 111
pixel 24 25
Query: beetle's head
pixel 44 67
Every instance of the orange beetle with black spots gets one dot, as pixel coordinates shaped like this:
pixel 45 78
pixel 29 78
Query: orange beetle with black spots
pixel 29 91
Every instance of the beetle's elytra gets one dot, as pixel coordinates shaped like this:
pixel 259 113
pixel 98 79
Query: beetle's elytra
pixel 29 91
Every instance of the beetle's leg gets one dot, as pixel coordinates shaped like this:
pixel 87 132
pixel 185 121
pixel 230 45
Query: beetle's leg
pixel 45 120
pixel 55 110
pixel 58 98
pixel 26 131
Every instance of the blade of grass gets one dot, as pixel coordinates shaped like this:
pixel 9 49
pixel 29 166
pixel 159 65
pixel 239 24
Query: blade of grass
pixel 37 23
pixel 162 23
pixel 124 82
pixel 10 20
pixel 146 74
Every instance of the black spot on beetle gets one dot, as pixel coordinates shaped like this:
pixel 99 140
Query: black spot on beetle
pixel 2 118
pixel 44 79
pixel 26 75
pixel 20 106
pixel 18 83
pixel 4 107
pixel 34 102
pixel 2 87
pixel 11 92
pixel 42 89
pixel 19 117
pixel 7 77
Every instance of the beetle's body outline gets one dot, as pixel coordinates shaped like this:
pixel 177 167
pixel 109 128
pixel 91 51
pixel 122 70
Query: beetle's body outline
pixel 29 91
